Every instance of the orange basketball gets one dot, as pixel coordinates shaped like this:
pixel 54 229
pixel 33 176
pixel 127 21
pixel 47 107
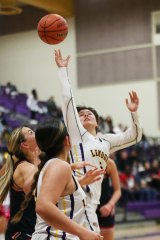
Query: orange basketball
pixel 52 29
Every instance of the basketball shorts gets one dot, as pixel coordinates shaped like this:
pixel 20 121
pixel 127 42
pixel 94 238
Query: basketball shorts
pixel 91 220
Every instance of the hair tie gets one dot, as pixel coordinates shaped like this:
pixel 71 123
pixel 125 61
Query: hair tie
pixel 10 153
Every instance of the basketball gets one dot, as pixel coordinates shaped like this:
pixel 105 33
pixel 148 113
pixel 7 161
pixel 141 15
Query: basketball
pixel 52 29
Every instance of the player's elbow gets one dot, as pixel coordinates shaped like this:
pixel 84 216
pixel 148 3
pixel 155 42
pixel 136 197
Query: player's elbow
pixel 139 135
pixel 40 207
pixel 119 193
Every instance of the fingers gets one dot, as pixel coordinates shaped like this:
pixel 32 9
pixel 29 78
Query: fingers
pixel 80 165
pixel 96 172
pixel 94 175
pixel 59 53
pixel 96 179
pixel 58 56
pixel 101 238
pixel 67 59
pixel 56 52
pixel 133 97
pixel 126 101
pixel 134 94
pixel 85 163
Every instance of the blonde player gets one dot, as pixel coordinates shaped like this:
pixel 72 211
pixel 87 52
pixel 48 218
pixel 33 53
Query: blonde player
pixel 16 178
pixel 86 143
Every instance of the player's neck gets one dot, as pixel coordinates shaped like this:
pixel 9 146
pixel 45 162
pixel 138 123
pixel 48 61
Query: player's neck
pixel 92 131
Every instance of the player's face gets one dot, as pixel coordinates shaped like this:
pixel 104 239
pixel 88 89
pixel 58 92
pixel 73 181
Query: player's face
pixel 29 136
pixel 87 118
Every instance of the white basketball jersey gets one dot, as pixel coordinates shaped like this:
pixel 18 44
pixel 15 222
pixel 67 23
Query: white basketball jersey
pixel 72 205
pixel 86 147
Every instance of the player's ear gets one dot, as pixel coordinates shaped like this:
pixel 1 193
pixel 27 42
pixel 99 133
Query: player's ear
pixel 67 141
pixel 24 145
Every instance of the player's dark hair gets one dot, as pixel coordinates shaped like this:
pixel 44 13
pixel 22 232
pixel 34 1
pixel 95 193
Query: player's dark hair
pixel 80 108
pixel 50 136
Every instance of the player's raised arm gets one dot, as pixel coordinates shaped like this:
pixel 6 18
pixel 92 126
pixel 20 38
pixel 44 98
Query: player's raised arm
pixel 71 117
pixel 134 133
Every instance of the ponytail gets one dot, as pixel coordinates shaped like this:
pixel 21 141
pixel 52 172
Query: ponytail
pixel 5 180
pixel 13 145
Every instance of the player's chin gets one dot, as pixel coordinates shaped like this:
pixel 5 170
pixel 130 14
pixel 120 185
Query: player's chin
pixel 87 124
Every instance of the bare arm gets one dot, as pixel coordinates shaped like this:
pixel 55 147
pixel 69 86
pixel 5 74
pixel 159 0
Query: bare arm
pixel 108 208
pixel 23 175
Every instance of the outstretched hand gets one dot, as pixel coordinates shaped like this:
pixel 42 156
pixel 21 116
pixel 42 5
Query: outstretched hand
pixel 134 102
pixel 59 60
pixel 79 165
pixel 91 176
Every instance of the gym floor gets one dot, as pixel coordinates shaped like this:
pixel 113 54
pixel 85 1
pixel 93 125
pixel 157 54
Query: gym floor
pixel 140 231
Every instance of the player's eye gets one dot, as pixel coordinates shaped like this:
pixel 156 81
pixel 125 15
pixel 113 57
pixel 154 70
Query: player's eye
pixel 81 114
pixel 31 132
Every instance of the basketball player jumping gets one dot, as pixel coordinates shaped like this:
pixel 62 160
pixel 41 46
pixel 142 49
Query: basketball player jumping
pixel 86 143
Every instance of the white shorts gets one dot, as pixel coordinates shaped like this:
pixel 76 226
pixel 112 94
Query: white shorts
pixel 91 221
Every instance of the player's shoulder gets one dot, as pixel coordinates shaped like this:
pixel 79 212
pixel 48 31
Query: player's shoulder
pixel 104 137
pixel 111 165
pixel 22 166
pixel 58 168
pixel 111 161
pixel 60 164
